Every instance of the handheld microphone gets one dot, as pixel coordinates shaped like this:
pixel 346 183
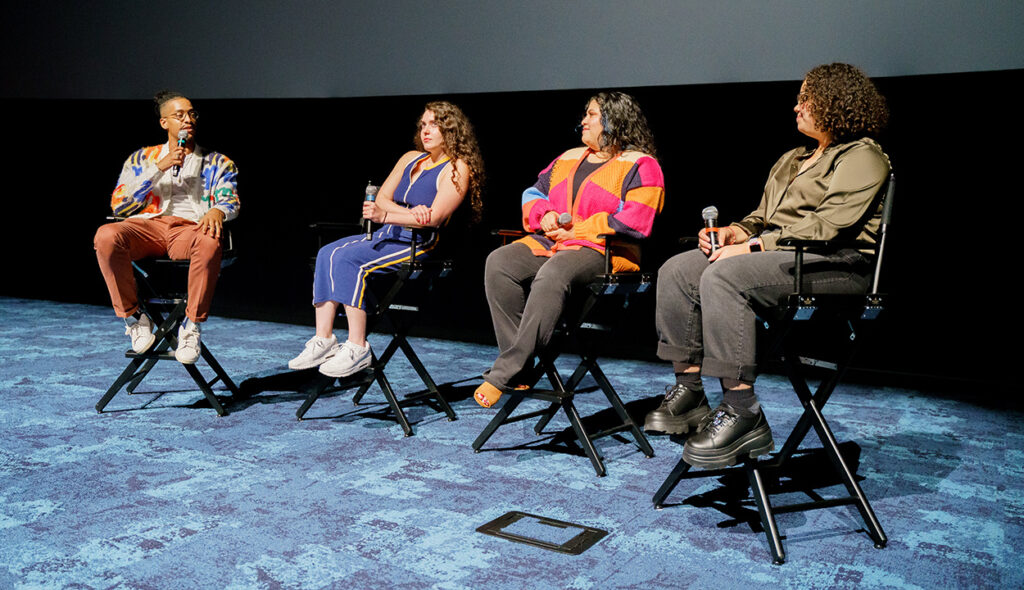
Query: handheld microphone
pixel 710 215
pixel 579 128
pixel 371 195
pixel 565 219
pixel 182 136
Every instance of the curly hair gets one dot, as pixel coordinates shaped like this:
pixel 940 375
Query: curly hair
pixel 625 126
pixel 459 144
pixel 844 102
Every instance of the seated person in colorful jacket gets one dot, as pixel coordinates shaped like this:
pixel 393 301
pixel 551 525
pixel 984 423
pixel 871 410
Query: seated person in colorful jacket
pixel 176 197
pixel 610 185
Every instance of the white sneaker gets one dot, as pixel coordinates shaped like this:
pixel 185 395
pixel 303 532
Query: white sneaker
pixel 188 344
pixel 317 351
pixel 141 333
pixel 348 359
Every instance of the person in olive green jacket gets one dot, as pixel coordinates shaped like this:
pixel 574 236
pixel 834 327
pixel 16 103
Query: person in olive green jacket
pixel 707 297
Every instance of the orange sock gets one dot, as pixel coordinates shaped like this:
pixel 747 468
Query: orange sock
pixel 487 395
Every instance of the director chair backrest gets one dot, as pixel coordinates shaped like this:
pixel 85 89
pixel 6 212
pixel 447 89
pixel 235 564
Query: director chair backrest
pixel 413 282
pixel 576 319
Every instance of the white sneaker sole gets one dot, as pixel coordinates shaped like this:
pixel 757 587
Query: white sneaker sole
pixel 185 360
pixel 360 366
pixel 308 364
pixel 148 344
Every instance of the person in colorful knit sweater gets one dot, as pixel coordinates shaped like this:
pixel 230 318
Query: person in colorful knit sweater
pixel 610 185
pixel 707 298
pixel 176 197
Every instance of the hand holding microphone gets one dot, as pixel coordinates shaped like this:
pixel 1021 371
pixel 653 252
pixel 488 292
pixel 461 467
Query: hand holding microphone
pixel 371 196
pixel 552 220
pixel 182 137
pixel 710 215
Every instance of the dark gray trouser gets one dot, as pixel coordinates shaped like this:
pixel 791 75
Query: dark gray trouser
pixel 705 311
pixel 526 294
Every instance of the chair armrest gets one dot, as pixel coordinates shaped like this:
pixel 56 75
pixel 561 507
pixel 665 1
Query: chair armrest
pixel 799 243
pixel 610 241
pixel 509 235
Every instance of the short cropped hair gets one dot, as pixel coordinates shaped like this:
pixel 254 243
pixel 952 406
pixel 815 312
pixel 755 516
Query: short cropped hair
pixel 163 97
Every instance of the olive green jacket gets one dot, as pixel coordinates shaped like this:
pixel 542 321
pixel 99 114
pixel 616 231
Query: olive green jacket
pixel 833 198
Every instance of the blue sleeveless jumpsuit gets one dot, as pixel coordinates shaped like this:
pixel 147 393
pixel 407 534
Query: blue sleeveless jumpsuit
pixel 342 267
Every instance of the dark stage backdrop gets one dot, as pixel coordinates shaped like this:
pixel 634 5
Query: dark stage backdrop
pixel 954 141
pixel 109 49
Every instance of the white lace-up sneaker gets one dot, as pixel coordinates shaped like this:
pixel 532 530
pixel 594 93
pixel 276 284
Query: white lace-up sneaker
pixel 317 351
pixel 188 344
pixel 348 359
pixel 141 333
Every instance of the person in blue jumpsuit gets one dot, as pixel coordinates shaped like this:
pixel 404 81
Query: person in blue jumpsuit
pixel 423 189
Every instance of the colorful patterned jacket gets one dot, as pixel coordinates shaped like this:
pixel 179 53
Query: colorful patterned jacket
pixel 622 196
pixel 143 189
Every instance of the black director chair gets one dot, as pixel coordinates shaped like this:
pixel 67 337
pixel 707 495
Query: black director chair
pixel 163 297
pixel 576 328
pixel 857 313
pixel 414 280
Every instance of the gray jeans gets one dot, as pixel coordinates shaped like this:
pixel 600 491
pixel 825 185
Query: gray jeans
pixel 706 311
pixel 526 294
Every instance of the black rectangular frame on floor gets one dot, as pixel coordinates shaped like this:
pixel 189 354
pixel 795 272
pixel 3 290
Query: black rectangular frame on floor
pixel 586 539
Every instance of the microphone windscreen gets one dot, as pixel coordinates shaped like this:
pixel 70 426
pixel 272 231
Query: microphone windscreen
pixel 371 190
pixel 182 134
pixel 564 218
pixel 709 213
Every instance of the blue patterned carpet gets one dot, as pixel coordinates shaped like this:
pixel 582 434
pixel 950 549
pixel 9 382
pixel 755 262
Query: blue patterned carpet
pixel 158 492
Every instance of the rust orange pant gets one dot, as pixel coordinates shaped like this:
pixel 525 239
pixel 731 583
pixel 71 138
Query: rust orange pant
pixel 118 244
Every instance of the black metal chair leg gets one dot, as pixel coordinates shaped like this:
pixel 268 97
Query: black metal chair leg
pixel 320 385
pixel 546 418
pixel 764 509
pixel 421 370
pixel 499 418
pixel 375 367
pixel 856 493
pixel 147 366
pixel 126 376
pixel 218 370
pixel 193 371
pixel 389 393
pixel 673 479
pixel 620 408
pixel 584 438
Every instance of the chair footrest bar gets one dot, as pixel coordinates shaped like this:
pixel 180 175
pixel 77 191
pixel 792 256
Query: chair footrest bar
pixel 815 505
pixel 548 395
pixel 610 431
pixel 164 356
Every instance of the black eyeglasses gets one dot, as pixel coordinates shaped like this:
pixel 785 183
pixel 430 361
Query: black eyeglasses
pixel 182 115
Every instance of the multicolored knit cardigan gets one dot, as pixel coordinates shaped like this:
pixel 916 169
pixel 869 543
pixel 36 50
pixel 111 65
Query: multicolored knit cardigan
pixel 622 196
